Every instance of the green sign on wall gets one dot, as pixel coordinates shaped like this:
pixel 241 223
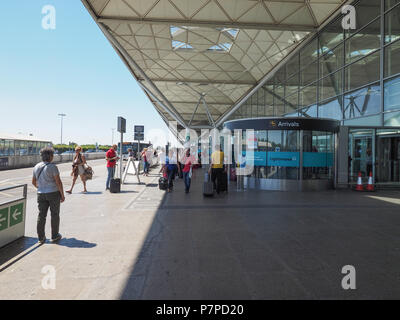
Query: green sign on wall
pixel 3 219
pixel 16 214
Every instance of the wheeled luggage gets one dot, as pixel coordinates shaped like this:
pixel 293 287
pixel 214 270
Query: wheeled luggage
pixel 163 183
pixel 208 187
pixel 115 185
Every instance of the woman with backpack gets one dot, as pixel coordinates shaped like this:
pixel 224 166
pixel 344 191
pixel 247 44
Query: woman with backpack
pixel 78 169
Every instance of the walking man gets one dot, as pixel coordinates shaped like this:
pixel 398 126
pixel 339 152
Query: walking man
pixel 46 178
pixel 216 167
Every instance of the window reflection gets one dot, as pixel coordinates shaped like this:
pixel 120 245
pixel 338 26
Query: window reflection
pixel 309 74
pixel 331 109
pixel 392 94
pixel 363 43
pixel 330 86
pixel 392 61
pixel 283 158
pixel 362 72
pixel 390 3
pixel 331 61
pixel 331 36
pixel 362 102
pixel 392 25
pixel 392 119
pixel 366 11
pixel 318 155
pixel 310 111
pixel 308 95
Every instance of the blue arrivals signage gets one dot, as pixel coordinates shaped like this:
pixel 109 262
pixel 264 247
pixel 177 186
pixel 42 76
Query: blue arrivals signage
pixel 317 159
pixel 283 159
pixel 259 157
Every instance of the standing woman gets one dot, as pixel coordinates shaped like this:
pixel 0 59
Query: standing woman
pixel 145 162
pixel 78 169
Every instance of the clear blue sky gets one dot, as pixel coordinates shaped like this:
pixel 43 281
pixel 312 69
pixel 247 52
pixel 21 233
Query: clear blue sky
pixel 72 69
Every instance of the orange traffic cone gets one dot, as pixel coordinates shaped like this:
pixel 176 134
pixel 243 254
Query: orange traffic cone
pixel 370 186
pixel 359 183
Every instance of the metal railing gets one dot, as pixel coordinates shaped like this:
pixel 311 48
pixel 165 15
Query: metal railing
pixel 12 216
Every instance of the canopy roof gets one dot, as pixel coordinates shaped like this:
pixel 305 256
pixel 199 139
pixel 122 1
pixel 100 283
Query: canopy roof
pixel 197 59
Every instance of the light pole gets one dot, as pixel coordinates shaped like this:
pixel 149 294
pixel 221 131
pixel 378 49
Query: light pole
pixel 62 115
pixel 112 139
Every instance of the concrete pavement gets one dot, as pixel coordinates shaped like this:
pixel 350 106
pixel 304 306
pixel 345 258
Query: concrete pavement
pixel 146 244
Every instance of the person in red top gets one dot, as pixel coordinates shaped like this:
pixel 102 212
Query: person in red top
pixel 111 157
pixel 187 162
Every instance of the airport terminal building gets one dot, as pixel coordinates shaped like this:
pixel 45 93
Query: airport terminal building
pixel 255 64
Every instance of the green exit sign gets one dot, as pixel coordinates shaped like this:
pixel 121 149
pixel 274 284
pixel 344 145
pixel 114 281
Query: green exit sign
pixel 3 219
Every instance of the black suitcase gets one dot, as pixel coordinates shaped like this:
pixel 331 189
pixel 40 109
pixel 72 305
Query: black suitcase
pixel 163 183
pixel 223 183
pixel 208 189
pixel 115 185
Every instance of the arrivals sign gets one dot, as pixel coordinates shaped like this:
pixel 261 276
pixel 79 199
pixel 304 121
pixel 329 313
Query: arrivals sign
pixel 12 221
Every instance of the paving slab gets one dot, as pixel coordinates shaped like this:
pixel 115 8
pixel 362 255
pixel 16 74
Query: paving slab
pixel 145 243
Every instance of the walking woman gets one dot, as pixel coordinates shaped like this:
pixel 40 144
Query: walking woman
pixel 78 169
pixel 187 162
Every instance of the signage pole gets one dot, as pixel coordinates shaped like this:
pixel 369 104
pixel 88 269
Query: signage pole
pixel 120 157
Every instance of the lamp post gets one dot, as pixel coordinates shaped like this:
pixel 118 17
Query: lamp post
pixel 112 139
pixel 62 115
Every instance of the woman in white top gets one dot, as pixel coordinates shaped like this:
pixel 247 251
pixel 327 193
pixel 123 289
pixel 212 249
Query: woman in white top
pixel 78 169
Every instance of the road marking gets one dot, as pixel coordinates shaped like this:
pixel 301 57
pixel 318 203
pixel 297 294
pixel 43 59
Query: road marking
pixel 7 195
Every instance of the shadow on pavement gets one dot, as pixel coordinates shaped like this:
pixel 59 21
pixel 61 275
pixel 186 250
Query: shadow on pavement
pixel 268 245
pixel 75 243
pixel 15 248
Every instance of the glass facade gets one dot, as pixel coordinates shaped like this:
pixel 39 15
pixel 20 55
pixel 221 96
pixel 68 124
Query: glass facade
pixel 348 75
pixel 9 147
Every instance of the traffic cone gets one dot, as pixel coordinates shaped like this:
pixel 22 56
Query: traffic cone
pixel 359 186
pixel 370 186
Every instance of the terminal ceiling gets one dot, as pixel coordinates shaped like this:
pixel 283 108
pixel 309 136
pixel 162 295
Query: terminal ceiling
pixel 197 59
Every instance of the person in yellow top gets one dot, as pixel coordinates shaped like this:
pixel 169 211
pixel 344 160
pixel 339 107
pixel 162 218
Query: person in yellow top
pixel 216 167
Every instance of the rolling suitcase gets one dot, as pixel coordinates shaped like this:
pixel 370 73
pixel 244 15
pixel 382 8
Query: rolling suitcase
pixel 163 183
pixel 115 185
pixel 208 187
pixel 223 183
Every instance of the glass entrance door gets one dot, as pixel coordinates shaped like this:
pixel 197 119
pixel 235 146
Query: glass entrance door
pixel 362 148
pixel 388 156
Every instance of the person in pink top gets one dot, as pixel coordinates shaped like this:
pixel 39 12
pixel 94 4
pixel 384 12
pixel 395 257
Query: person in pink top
pixel 188 161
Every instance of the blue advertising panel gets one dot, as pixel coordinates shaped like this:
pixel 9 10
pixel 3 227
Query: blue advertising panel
pixel 283 159
pixel 317 159
pixel 259 157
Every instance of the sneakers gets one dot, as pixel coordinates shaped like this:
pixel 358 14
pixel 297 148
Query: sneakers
pixel 56 239
pixel 41 241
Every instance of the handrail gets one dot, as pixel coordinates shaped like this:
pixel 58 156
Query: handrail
pixel 25 186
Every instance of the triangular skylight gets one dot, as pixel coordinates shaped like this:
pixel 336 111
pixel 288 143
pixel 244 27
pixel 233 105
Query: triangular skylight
pixel 180 45
pixel 224 47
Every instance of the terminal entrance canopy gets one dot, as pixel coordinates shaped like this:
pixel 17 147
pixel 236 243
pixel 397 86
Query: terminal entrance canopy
pixel 198 60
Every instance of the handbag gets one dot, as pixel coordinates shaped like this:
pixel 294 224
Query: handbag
pixel 88 173
pixel 190 173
